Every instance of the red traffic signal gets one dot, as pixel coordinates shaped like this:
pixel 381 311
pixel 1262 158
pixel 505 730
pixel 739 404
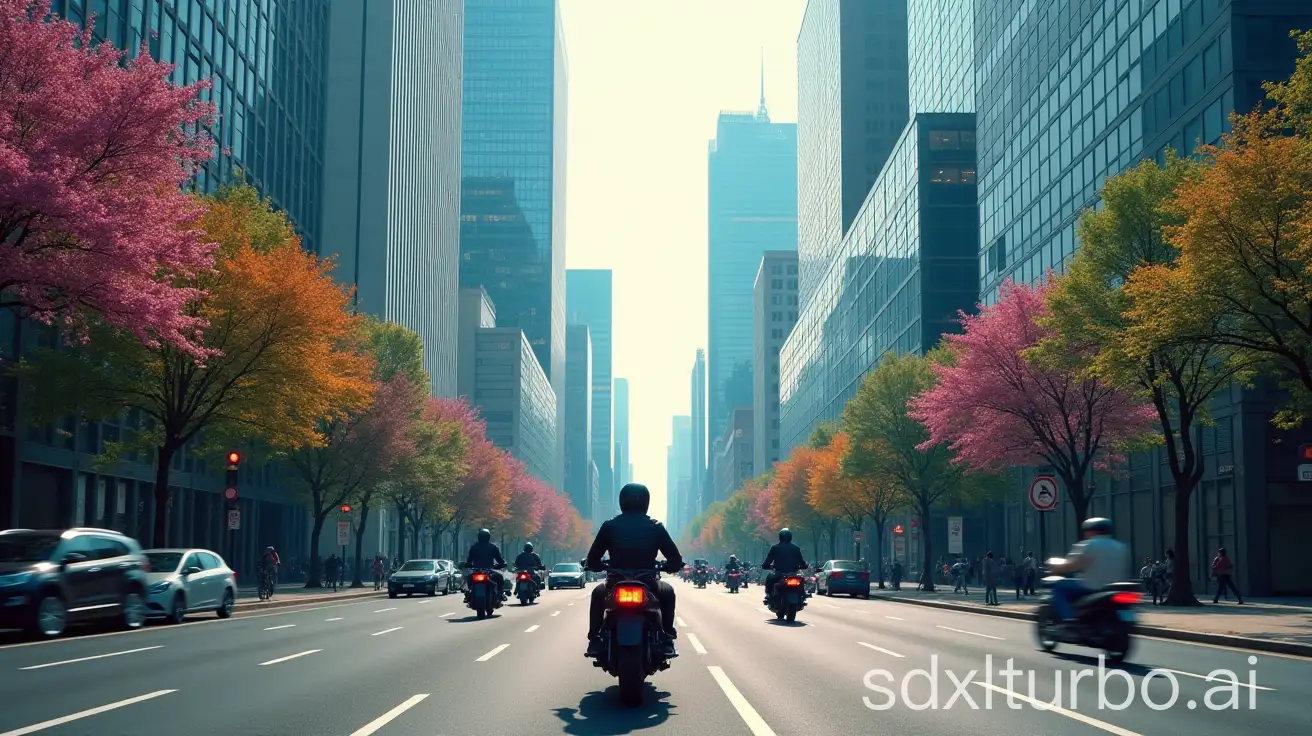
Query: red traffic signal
pixel 1305 452
pixel 234 457
pixel 346 508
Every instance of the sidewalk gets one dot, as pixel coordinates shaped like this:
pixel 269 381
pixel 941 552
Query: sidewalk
pixel 1267 624
pixel 289 594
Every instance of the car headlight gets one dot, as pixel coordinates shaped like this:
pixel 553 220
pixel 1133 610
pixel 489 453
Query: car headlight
pixel 17 578
pixel 159 587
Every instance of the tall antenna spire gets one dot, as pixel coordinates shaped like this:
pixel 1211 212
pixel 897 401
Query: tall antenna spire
pixel 761 112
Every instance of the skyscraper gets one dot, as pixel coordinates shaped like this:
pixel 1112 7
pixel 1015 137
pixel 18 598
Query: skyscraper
pixel 752 208
pixel 588 301
pixel 512 236
pixel 622 469
pixel 391 181
pixel 851 108
pixel 579 465
pixel 693 505
pixel 514 398
pixel 677 484
pixel 775 314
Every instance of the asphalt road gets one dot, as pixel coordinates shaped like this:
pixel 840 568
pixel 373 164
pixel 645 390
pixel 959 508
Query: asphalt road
pixel 425 667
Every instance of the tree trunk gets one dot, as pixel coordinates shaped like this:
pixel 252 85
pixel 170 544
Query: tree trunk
pixel 414 544
pixel 400 532
pixel 358 582
pixel 1182 583
pixel 880 523
pixel 159 535
pixel 833 540
pixel 316 565
pixel 1080 497
pixel 927 571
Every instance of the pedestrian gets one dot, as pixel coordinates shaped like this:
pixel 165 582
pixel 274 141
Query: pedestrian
pixel 1147 576
pixel 895 572
pixel 1224 570
pixel 331 568
pixel 959 572
pixel 1029 570
pixel 989 572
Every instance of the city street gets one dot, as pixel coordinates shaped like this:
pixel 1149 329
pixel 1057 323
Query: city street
pixel 423 666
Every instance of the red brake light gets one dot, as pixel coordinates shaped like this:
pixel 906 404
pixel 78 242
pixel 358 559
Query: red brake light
pixel 630 595
pixel 793 582
pixel 1125 598
pixel 833 575
pixel 523 576
pixel 480 577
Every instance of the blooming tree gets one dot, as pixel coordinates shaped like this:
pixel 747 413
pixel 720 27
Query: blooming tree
pixel 94 151
pixel 996 408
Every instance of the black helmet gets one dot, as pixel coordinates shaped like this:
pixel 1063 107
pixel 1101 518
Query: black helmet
pixel 528 546
pixel 1098 525
pixel 785 535
pixel 733 557
pixel 634 499
pixel 484 535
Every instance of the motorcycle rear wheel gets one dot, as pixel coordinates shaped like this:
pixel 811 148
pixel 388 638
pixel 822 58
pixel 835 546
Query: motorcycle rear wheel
pixel 1044 622
pixel 1119 646
pixel 629 670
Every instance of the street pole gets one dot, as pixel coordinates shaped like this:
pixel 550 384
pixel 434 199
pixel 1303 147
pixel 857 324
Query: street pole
pixel 1043 536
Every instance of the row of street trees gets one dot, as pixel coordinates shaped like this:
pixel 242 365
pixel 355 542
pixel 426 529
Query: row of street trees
pixel 201 319
pixel 1192 276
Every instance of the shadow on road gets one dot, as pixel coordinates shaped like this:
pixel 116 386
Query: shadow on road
pixel 786 624
pixel 1084 659
pixel 601 714
pixel 472 617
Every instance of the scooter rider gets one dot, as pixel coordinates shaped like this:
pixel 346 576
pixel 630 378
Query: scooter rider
pixel 1100 561
pixel 528 561
pixel 486 556
pixel 785 558
pixel 632 540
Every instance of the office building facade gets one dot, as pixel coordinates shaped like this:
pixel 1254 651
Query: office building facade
pixel 734 455
pixel 752 208
pixel 579 467
pixel 852 105
pixel 776 306
pixel 513 145
pixel 677 480
pixel 476 312
pixel 693 501
pixel 623 472
pixel 904 274
pixel 391 188
pixel 589 301
pixel 514 398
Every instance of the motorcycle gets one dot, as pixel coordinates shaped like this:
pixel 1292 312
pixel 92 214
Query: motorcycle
pixel 788 598
pixel 526 587
pixel 699 578
pixel 733 582
pixel 1104 619
pixel 631 632
pixel 484 593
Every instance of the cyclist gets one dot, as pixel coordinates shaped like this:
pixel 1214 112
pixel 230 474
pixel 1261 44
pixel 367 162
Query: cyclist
pixel 269 562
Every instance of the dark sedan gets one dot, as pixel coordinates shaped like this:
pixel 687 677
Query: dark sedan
pixel 843 576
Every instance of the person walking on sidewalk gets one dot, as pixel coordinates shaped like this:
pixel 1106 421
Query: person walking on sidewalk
pixel 1223 570
pixel 990 573
pixel 378 572
pixel 331 568
pixel 1148 576
pixel 1029 568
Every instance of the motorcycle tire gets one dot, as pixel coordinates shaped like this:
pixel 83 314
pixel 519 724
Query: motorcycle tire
pixel 779 615
pixel 629 670
pixel 1120 645
pixel 1044 618
pixel 792 616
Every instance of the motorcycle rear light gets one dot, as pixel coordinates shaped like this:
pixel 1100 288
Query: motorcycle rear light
pixel 630 595
pixel 793 582
pixel 1125 598
pixel 523 576
pixel 480 577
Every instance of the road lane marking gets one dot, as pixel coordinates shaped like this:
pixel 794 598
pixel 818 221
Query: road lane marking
pixel 881 650
pixel 84 714
pixel 339 618
pixel 555 613
pixel 1207 678
pixel 88 659
pixel 426 600
pixel 388 631
pixel 755 723
pixel 389 716
pixel 393 608
pixel 284 626
pixel 972 633
pixel 896 618
pixel 448 613
pixel 492 653
pixel 1052 708
pixel 696 643
pixel 531 629
pixel 281 659
pixel 571 604
pixel 763 610
pixel 679 620
pixel 830 605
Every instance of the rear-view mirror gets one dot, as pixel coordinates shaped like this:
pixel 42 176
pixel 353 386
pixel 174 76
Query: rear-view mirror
pixel 72 557
pixel 191 570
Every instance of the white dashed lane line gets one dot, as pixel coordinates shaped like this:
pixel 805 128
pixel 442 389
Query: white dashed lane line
pixel 555 613
pixel 754 721
pixel 448 613
pixel 284 659
pixel 84 714
pixel 971 633
pixel 388 631
pixel 381 610
pixel 696 644
pixel 531 629
pixel 88 659
pixel 389 716
pixel 881 650
pixel 492 653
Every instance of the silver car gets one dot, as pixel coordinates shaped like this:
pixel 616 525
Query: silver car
pixel 183 581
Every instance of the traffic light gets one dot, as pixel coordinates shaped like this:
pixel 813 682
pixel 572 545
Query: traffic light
pixel 1305 453
pixel 230 486
pixel 346 508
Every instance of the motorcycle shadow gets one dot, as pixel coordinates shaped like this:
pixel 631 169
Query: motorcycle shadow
pixel 600 713
pixel 472 617
pixel 786 624
pixel 1092 661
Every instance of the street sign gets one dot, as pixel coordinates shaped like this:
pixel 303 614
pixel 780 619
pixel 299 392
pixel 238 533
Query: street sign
pixel 898 529
pixel 1043 493
pixel 1305 472
pixel 234 519
pixel 856 536
pixel 343 533
pixel 954 535
pixel 230 493
pixel 899 547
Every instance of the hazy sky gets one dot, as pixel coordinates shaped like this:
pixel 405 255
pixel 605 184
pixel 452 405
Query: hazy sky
pixel 646 81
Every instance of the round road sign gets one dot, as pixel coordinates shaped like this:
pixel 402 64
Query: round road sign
pixel 1043 493
pixel 230 493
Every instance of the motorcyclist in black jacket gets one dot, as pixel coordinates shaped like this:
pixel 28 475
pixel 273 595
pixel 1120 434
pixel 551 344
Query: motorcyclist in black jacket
pixel 733 565
pixel 528 561
pixel 486 556
pixel 633 538
pixel 785 558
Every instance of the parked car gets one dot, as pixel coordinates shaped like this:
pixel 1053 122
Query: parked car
pixel 566 575
pixel 184 581
pixel 50 579
pixel 421 576
pixel 843 576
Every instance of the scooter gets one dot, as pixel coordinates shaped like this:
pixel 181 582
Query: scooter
pixel 1104 619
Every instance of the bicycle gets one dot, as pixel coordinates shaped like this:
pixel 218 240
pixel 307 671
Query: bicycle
pixel 266 586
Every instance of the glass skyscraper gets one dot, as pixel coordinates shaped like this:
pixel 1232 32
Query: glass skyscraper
pixel 752 209
pixel 579 466
pixel 588 301
pixel 622 471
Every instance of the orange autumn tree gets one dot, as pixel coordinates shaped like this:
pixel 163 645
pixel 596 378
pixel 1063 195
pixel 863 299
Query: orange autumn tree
pixel 282 351
pixel 788 489
pixel 835 492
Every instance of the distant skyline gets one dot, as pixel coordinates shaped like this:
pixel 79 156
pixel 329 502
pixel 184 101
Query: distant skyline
pixel 643 213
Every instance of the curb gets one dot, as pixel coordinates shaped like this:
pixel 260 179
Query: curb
pixel 306 600
pixel 1274 646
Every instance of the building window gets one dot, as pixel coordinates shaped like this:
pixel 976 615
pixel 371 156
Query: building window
pixel 944 140
pixel 946 175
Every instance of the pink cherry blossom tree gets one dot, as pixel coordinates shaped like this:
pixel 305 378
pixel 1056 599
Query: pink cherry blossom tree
pixel 556 521
pixel 94 152
pixel 997 409
pixel 760 522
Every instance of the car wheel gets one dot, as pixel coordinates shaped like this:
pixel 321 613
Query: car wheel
pixel 178 613
pixel 51 617
pixel 432 590
pixel 225 608
pixel 390 594
pixel 134 611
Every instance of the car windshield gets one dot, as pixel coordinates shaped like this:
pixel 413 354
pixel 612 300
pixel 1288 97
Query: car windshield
pixel 164 561
pixel 418 566
pixel 27 547
pixel 567 567
pixel 846 565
